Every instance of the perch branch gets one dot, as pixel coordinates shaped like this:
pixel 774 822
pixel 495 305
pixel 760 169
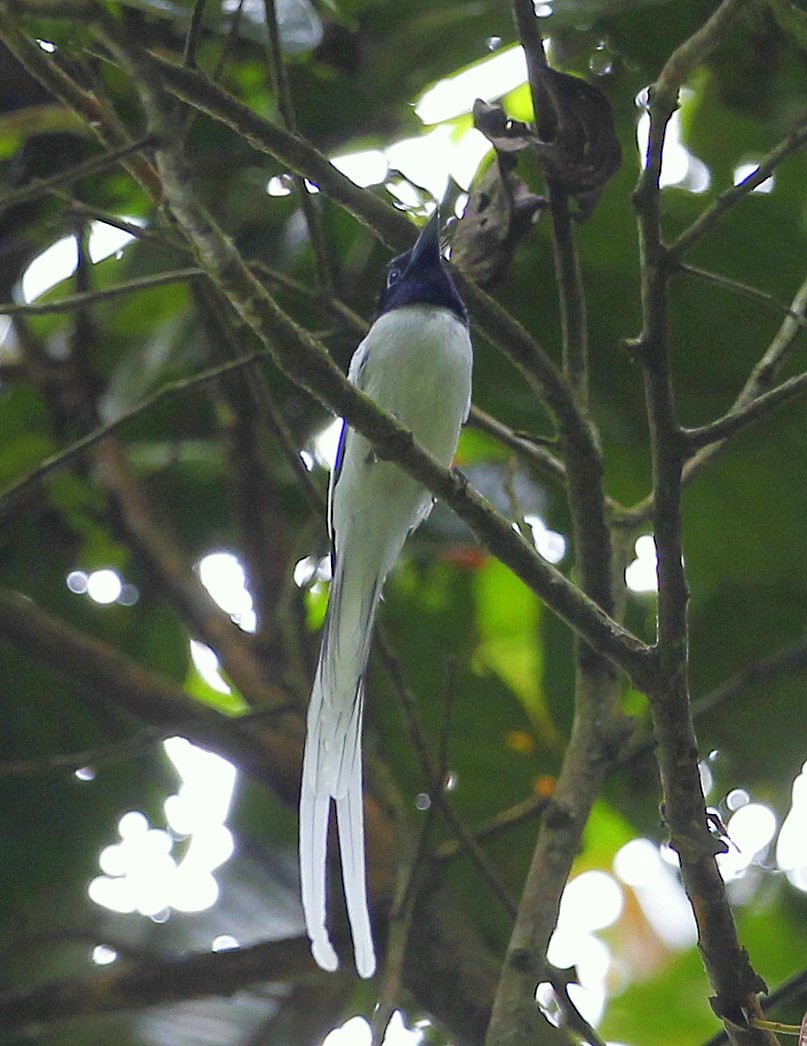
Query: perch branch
pixel 390 225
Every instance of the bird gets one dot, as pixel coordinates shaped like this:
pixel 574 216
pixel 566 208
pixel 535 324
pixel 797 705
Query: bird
pixel 416 363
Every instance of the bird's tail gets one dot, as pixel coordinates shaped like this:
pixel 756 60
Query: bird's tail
pixel 332 768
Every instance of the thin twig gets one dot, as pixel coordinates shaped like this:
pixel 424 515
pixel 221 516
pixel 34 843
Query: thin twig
pixel 757 397
pixel 537 458
pixel 569 280
pixel 435 785
pixel 708 218
pixel 41 186
pixel 159 237
pixel 98 116
pixel 744 289
pixel 503 821
pixel 84 298
pixel 334 307
pixel 103 755
pixel 410 875
pixel 762 377
pixel 280 83
pixel 14 494
pixel 791 659
pixel 194 34
pixel 230 41
pixel 736 420
pixel 445 728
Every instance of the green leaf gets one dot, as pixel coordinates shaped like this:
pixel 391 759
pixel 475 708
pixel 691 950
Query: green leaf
pixel 508 621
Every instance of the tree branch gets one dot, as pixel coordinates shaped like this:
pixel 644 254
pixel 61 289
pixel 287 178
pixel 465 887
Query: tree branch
pixel 135 985
pixel 758 387
pixel 738 419
pixel 105 675
pixel 727 964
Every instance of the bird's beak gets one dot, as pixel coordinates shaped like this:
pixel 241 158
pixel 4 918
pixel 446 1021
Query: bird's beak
pixel 427 248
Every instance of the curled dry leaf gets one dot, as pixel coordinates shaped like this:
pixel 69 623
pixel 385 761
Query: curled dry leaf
pixel 575 139
pixel 500 212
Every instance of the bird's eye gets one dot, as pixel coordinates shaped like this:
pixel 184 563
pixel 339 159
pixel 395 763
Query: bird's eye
pixel 393 276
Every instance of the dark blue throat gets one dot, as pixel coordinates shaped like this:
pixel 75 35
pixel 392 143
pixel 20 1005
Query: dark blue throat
pixel 420 280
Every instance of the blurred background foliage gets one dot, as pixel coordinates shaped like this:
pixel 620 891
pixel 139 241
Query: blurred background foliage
pixel 466 631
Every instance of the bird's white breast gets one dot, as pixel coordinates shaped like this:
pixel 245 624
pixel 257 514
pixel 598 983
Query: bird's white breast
pixel 416 363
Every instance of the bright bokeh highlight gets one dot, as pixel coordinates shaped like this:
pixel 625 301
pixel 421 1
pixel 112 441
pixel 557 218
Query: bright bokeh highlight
pixel 58 262
pixel 550 544
pixel 488 79
pixel 356 1032
pixel 746 170
pixel 639 864
pixel 223 576
pixel 679 167
pixel 791 846
pixel 640 575
pixel 146 870
pixel 750 830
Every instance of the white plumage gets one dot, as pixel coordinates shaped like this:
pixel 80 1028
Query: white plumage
pixel 416 363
